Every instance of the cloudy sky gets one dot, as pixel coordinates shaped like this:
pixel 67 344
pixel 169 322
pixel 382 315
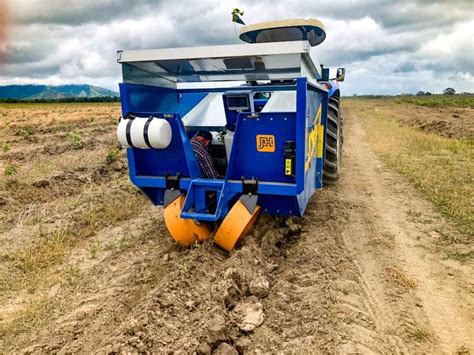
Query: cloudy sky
pixel 386 47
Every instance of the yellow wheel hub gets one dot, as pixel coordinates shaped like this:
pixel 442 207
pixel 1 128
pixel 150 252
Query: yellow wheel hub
pixel 235 226
pixel 185 231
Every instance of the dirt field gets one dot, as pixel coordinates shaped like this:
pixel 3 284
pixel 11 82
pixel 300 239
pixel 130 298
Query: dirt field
pixel 86 264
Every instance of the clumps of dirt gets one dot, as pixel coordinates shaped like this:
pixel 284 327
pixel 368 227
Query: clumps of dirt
pixel 400 278
pixel 248 314
pixel 15 156
pixel 64 183
pixel 86 144
pixel 447 122
pixel 96 174
pixel 209 302
pixel 56 148
pixel 3 201
pixel 259 286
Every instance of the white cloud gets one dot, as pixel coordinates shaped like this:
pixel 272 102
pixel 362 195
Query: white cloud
pixel 385 47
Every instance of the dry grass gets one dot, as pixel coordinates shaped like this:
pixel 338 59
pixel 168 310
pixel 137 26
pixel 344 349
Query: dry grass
pixel 400 278
pixel 421 335
pixel 442 169
pixel 48 248
pixel 29 114
pixel 86 193
pixel 34 314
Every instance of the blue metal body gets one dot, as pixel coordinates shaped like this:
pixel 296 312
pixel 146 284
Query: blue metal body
pixel 278 193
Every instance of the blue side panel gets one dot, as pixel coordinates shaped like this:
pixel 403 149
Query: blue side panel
pixel 247 161
pixel 279 194
pixel 154 195
pixel 316 101
pixel 278 205
pixel 313 174
pixel 301 85
pixel 142 98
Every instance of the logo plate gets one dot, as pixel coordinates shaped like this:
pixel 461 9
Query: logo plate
pixel 265 143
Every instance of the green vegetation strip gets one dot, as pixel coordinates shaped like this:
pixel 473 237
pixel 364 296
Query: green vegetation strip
pixel 439 100
pixel 442 169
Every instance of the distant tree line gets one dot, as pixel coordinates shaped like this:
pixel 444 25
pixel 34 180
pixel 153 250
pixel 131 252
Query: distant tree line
pixel 420 93
pixel 64 100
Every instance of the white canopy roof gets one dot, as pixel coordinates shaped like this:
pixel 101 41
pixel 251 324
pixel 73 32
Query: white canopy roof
pixel 242 62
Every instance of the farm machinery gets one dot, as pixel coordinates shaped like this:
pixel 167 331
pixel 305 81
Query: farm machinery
pixel 275 121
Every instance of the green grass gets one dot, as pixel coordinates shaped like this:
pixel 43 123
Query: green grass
pixel 439 100
pixel 10 170
pixel 112 156
pixel 25 131
pixel 442 169
pixel 75 140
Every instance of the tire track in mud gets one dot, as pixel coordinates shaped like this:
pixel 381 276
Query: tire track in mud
pixel 377 331
pixel 412 306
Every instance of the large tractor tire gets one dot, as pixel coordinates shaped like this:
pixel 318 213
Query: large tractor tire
pixel 334 139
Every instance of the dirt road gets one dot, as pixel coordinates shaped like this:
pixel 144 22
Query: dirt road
pixel 360 273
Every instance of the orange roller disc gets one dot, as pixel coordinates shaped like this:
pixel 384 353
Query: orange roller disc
pixel 185 231
pixel 236 225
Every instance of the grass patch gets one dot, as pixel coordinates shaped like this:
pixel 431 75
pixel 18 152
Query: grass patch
pixel 27 267
pixel 35 314
pixel 25 131
pixel 75 140
pixel 112 156
pixel 10 170
pixel 120 243
pixel 442 169
pixel 461 256
pixel 421 335
pixel 439 100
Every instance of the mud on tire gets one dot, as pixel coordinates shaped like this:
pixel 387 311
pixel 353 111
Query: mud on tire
pixel 333 142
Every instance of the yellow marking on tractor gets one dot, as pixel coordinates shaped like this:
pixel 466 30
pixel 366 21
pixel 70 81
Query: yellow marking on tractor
pixel 235 226
pixel 185 231
pixel 313 139
pixel 288 167
pixel 320 141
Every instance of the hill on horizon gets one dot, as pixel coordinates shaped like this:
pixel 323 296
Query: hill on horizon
pixel 49 92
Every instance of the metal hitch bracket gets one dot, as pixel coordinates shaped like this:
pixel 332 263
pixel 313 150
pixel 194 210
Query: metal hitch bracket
pixel 172 191
pixel 249 186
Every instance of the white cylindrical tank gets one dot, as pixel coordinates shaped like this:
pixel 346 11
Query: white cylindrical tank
pixel 144 132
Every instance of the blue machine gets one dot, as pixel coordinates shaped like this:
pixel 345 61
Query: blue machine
pixel 274 116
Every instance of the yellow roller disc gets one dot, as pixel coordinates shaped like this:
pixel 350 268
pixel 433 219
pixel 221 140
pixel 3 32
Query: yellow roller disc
pixel 236 225
pixel 185 231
